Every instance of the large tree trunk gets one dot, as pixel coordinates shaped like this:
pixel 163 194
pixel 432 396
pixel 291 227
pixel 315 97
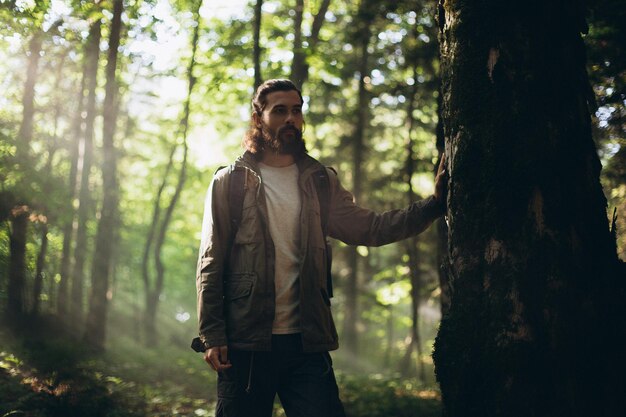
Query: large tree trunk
pixel 536 320
pixel 86 206
pixel 258 13
pixel 95 333
pixel 351 288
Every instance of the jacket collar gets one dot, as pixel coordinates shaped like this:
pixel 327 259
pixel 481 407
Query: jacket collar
pixel 306 163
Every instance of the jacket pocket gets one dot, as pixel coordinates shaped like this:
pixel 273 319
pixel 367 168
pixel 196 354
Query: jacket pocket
pixel 239 301
pixel 238 286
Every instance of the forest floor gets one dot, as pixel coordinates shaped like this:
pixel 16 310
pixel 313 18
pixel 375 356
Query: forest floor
pixel 53 377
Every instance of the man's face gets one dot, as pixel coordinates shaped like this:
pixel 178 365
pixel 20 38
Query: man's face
pixel 282 122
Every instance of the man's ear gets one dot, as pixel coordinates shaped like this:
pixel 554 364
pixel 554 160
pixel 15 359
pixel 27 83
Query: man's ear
pixel 256 119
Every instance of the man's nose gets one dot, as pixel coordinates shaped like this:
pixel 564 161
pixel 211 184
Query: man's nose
pixel 289 119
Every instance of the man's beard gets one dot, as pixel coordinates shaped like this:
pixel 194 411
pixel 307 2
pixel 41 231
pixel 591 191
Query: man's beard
pixel 287 140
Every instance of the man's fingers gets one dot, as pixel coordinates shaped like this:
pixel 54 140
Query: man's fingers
pixel 442 165
pixel 208 359
pixel 217 358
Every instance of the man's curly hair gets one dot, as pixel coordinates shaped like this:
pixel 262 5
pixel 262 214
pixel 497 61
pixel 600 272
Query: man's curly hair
pixel 253 140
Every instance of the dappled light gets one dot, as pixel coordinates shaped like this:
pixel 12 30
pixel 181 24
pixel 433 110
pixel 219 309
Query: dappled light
pixel 116 117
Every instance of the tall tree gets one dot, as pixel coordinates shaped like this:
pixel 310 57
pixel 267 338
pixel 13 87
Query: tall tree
pixel 299 65
pixel 68 228
pixel 412 244
pixel 19 217
pixel 17 263
pixel 25 134
pixel 258 14
pixel 364 34
pixel 95 333
pixel 41 262
pixel 153 292
pixel 86 205
pixel 538 299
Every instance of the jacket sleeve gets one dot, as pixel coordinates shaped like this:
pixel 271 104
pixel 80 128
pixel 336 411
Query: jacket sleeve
pixel 355 225
pixel 210 269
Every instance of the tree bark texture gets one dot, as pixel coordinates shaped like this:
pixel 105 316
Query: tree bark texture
pixel 443 261
pixel 86 204
pixel 95 332
pixel 536 318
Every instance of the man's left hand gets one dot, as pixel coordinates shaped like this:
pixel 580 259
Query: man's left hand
pixel 441 182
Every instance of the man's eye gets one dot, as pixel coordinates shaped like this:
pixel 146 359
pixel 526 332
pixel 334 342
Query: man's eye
pixel 280 110
pixel 297 111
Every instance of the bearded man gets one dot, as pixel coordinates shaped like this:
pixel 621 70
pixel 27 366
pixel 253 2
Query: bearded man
pixel 263 282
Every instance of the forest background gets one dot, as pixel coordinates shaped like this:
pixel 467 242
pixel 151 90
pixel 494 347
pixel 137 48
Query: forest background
pixel 114 116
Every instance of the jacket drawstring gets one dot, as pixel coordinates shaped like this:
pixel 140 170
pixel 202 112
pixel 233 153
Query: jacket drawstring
pixel 249 387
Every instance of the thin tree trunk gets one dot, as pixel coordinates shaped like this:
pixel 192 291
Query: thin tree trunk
pixel 20 213
pixel 95 333
pixel 352 285
pixel 299 65
pixel 153 296
pixel 390 336
pixel 41 262
pixel 538 301
pixel 17 261
pixel 25 134
pixel 86 206
pixel 412 247
pixel 69 225
pixel 299 55
pixel 150 296
pixel 258 13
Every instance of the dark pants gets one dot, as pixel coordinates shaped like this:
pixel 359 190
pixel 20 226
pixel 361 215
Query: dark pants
pixel 304 382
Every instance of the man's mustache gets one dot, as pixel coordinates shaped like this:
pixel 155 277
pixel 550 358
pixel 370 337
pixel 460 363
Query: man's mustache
pixel 287 128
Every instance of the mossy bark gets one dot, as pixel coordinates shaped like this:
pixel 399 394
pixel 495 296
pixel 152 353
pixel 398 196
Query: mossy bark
pixel 536 299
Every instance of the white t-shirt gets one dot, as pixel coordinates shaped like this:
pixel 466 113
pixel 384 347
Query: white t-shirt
pixel 283 206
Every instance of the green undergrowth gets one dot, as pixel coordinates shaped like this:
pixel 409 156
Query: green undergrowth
pixel 56 376
pixel 59 377
pixel 385 396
